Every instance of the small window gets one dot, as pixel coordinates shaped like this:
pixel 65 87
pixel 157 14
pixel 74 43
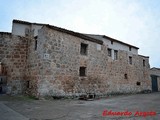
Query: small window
pixel 35 47
pixel 144 63
pixel 130 48
pixel 115 55
pixel 109 52
pixel 82 71
pixel 138 83
pixel 125 76
pixel 130 60
pixel 27 32
pixel 83 49
pixel 112 42
pixel 28 84
pixel 1 81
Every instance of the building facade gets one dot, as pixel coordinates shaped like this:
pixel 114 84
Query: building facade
pixel 155 79
pixel 40 59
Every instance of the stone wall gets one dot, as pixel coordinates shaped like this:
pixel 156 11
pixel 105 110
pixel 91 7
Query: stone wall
pixel 50 63
pixel 13 54
pixel 34 65
pixel 54 67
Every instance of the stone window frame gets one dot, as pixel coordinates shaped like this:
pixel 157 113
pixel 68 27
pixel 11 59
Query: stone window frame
pixel 82 71
pixel 84 49
pixel 130 48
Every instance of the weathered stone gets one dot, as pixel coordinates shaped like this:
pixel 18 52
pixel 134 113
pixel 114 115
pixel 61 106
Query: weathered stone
pixel 52 65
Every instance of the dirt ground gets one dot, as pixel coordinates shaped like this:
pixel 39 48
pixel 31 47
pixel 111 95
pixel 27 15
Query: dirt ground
pixel 126 107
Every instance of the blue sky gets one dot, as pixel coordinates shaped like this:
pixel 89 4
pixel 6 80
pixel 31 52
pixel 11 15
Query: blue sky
pixel 136 22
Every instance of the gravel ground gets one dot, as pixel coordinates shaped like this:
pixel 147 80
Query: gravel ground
pixel 140 107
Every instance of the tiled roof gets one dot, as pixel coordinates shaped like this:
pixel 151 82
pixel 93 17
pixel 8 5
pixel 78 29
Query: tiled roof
pixel 144 56
pixel 6 33
pixel 100 37
pixel 90 37
pixel 154 68
pixel 61 30
pixel 27 23
pixel 80 35
pixel 112 39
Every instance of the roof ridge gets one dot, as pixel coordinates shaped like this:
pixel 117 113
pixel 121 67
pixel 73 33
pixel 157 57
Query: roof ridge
pixel 74 33
pixel 26 22
pixel 155 68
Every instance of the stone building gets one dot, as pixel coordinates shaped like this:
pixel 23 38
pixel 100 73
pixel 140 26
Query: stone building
pixel 155 79
pixel 41 59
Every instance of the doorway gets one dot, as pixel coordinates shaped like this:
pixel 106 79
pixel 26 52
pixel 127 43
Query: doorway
pixel 3 84
pixel 154 83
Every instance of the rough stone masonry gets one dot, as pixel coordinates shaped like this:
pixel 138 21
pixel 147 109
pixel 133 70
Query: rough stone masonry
pixel 45 60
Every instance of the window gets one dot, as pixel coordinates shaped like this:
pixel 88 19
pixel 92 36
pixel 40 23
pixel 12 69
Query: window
pixel 125 76
pixel 82 71
pixel 138 83
pixel 115 55
pixel 112 42
pixel 144 63
pixel 35 46
pixel 109 52
pixel 83 49
pixel 28 84
pixel 130 48
pixel 27 31
pixel 130 60
pixel 1 81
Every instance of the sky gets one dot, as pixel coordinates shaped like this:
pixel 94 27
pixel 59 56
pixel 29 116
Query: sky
pixel 136 22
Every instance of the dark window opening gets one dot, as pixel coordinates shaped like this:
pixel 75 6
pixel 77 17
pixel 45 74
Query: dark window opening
pixel 130 48
pixel 35 47
pixel 112 42
pixel 109 52
pixel 83 49
pixel 28 84
pixel 144 64
pixel 125 76
pixel 82 71
pixel 1 81
pixel 115 55
pixel 138 83
pixel 0 89
pixel 91 96
pixel 130 60
pixel 27 31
